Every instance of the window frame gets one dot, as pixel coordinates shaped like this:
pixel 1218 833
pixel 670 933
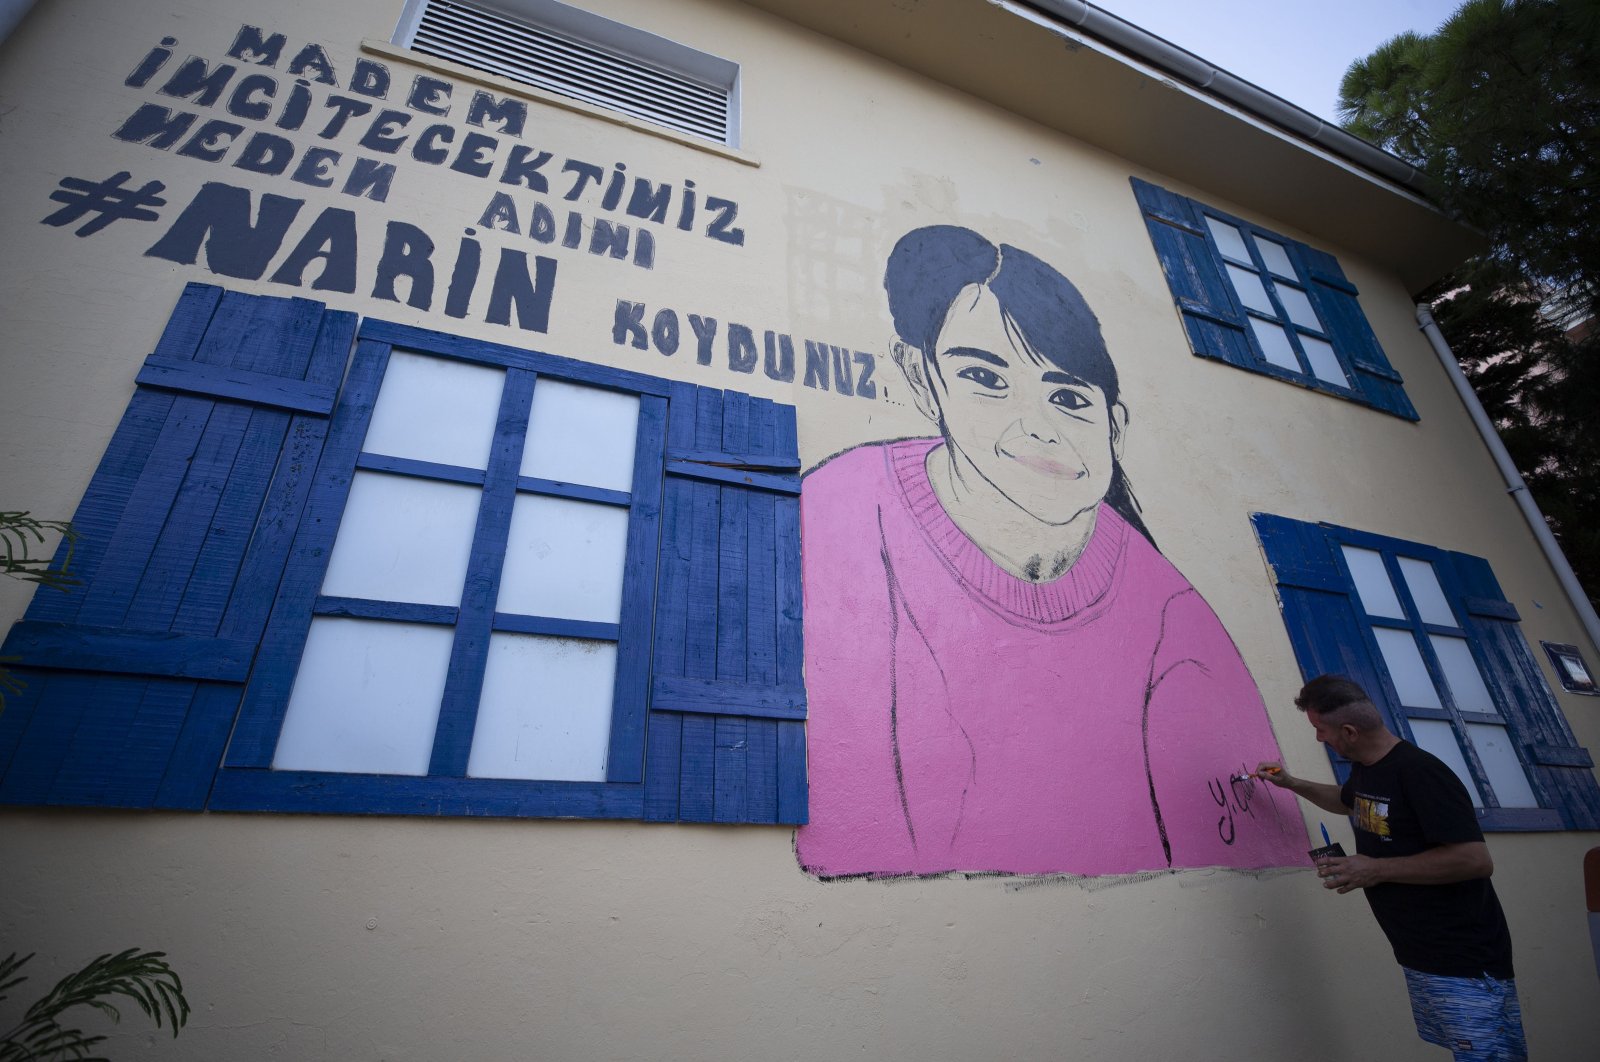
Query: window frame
pixel 188 533
pixel 1492 815
pixel 248 777
pixel 1252 233
pixel 1217 324
pixel 1331 632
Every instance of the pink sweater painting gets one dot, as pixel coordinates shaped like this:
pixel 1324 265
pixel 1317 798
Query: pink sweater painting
pixel 962 719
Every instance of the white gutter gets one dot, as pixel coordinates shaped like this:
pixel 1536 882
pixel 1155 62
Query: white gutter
pixel 1193 70
pixel 1514 483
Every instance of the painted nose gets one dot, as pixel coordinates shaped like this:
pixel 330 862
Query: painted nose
pixel 1038 424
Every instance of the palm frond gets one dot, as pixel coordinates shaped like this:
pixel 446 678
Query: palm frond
pixel 142 976
pixel 9 978
pixel 19 534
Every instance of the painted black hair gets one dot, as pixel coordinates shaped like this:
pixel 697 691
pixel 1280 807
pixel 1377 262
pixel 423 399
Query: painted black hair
pixel 930 266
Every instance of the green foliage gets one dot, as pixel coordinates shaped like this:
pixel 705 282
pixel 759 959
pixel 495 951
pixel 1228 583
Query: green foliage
pixel 19 533
pixel 1383 97
pixel 1501 108
pixel 142 976
pixel 1541 387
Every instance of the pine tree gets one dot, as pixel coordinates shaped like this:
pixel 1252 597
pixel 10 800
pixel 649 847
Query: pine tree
pixel 1501 109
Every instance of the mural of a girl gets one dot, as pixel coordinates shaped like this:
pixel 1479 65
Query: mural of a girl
pixel 1004 673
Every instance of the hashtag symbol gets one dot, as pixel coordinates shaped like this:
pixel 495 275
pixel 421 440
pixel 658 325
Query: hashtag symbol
pixel 108 200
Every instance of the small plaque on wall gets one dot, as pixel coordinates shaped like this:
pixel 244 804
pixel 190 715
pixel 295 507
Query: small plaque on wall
pixel 1576 677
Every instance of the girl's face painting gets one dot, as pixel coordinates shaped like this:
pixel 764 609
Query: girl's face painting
pixel 1040 436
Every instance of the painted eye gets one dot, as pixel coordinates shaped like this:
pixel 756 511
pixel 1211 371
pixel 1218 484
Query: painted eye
pixel 1068 399
pixel 983 377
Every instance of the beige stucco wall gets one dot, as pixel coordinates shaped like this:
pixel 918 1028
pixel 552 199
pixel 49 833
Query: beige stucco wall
pixel 415 939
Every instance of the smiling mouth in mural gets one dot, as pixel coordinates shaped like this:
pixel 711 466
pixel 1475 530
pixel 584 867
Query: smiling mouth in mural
pixel 1048 466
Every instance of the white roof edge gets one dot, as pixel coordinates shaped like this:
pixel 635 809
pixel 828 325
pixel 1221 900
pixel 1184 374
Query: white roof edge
pixel 1199 73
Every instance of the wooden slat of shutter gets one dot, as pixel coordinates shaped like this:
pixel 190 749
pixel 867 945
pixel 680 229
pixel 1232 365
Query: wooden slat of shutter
pixel 625 762
pixel 724 743
pixel 1211 316
pixel 664 730
pixel 1335 300
pixel 1550 751
pixel 793 787
pixel 183 534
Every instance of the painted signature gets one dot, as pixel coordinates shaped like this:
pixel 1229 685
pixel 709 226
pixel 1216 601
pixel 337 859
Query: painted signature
pixel 1235 794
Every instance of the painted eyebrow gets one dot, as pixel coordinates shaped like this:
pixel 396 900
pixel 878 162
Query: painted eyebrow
pixel 977 353
pixel 1065 378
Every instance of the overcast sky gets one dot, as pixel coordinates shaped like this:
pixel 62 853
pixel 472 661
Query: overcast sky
pixel 1298 49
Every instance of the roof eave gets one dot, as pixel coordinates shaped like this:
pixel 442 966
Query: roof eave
pixel 1077 69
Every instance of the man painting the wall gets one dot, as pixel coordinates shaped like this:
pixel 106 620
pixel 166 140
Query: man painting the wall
pixel 1425 869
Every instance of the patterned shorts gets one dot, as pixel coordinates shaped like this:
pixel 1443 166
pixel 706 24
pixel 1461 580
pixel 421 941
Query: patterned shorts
pixel 1477 1018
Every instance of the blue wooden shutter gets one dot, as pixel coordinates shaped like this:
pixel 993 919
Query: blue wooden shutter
pixel 133 678
pixel 1211 314
pixel 1548 748
pixel 726 725
pixel 1325 624
pixel 1335 299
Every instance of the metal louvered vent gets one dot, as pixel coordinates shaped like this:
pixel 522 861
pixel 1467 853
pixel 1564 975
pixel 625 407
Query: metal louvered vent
pixel 586 70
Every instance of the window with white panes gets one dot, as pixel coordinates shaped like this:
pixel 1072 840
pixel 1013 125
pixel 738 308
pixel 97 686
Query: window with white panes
pixel 1432 638
pixel 1262 302
pixel 1437 682
pixel 437 576
pixel 1273 293
pixel 472 474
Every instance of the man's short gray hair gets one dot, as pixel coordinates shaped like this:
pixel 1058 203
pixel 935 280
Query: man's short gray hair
pixel 1339 701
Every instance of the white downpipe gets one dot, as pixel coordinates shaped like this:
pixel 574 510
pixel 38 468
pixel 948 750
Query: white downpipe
pixel 1514 483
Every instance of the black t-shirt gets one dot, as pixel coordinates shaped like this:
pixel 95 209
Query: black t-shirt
pixel 1408 802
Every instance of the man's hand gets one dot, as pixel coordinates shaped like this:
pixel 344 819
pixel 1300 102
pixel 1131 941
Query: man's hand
pixel 1344 873
pixel 1322 794
pixel 1273 772
pixel 1439 865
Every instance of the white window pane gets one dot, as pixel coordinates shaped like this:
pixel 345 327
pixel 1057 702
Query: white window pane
pixel 1423 583
pixel 403 539
pixel 1406 669
pixel 1437 737
pixel 1299 307
pixel 545 710
pixel 1500 762
pixel 1275 344
pixel 581 435
pixel 1372 582
pixel 1229 239
pixel 366 698
pixel 1276 257
pixel 1461 674
pixel 435 409
pixel 564 559
pixel 1251 293
pixel 1324 363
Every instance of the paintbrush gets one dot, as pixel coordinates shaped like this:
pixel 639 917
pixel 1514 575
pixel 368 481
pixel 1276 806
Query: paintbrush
pixel 1254 774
